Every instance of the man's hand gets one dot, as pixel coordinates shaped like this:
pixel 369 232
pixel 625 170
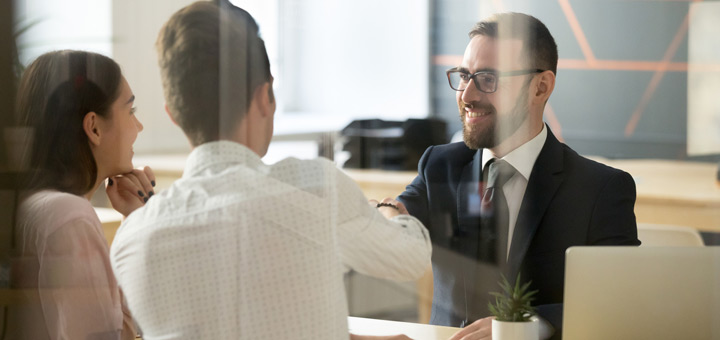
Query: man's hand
pixel 374 337
pixel 390 212
pixel 480 329
pixel 130 191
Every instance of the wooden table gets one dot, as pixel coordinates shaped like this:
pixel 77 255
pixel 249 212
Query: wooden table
pixel 14 297
pixel 675 192
pixel 416 331
pixel 378 184
pixel 110 220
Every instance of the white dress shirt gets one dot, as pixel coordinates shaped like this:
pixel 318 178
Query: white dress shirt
pixel 237 249
pixel 522 159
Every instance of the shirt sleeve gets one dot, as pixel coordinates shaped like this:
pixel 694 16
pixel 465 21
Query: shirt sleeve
pixel 397 249
pixel 78 293
pixel 129 331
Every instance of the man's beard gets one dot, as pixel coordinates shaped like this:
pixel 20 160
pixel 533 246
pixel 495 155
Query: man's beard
pixel 500 128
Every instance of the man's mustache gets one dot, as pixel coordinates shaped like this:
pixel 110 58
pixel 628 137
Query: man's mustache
pixel 476 105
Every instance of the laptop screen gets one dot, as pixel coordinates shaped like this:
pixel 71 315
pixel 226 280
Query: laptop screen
pixel 642 293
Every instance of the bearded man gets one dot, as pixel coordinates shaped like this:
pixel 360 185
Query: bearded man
pixel 511 199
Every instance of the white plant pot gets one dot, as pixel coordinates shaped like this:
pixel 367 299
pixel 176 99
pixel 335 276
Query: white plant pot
pixel 506 330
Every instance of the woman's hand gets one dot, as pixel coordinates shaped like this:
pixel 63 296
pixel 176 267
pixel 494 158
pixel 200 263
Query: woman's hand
pixel 130 191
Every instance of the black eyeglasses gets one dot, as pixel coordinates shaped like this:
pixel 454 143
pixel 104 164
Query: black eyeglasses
pixel 485 81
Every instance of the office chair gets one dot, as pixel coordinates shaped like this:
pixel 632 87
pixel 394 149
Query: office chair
pixel 661 235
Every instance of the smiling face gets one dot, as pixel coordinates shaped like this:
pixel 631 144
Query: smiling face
pixel 490 119
pixel 118 133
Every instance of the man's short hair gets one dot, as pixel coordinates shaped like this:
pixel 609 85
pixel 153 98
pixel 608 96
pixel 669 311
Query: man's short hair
pixel 538 44
pixel 211 60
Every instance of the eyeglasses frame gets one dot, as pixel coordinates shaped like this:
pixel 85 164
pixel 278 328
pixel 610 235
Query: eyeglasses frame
pixel 496 74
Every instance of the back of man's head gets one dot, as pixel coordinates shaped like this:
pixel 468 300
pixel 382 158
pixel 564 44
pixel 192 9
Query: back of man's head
pixel 538 44
pixel 211 61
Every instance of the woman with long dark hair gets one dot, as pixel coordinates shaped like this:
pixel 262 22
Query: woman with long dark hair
pixel 80 109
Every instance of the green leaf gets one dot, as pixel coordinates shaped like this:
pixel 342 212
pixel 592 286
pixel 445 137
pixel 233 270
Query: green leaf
pixel 18 32
pixel 513 303
pixel 20 29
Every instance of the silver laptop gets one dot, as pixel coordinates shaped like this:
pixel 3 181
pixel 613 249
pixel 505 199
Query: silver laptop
pixel 642 293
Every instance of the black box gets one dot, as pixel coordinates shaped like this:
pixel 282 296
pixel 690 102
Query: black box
pixel 391 145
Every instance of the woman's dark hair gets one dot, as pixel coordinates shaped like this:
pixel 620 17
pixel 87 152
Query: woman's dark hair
pixel 56 92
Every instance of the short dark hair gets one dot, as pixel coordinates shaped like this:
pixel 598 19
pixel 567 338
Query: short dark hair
pixel 538 44
pixel 211 60
pixel 56 92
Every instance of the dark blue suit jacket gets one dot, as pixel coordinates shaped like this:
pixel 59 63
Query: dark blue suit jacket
pixel 569 201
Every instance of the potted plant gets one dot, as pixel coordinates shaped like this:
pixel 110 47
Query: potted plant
pixel 513 312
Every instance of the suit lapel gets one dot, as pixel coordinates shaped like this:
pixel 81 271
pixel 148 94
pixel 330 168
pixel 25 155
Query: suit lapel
pixel 544 181
pixel 468 220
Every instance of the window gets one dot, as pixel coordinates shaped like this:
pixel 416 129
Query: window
pixel 336 61
pixel 54 25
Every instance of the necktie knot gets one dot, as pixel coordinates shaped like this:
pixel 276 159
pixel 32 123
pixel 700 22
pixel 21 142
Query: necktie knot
pixel 499 172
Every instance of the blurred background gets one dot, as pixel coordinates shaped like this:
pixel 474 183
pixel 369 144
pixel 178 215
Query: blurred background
pixel 637 79
pixel 622 89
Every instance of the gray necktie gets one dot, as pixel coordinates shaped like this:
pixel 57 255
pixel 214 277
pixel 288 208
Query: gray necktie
pixel 494 220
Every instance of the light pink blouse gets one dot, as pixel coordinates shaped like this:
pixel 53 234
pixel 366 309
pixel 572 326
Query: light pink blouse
pixel 61 253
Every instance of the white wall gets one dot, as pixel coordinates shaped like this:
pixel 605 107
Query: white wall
pixel 356 58
pixel 703 127
pixel 136 24
pixel 63 24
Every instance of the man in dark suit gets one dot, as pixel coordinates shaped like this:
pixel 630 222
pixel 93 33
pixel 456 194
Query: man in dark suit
pixel 549 199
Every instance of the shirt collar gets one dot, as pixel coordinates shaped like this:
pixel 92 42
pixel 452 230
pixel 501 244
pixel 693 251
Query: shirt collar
pixel 220 152
pixel 523 158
